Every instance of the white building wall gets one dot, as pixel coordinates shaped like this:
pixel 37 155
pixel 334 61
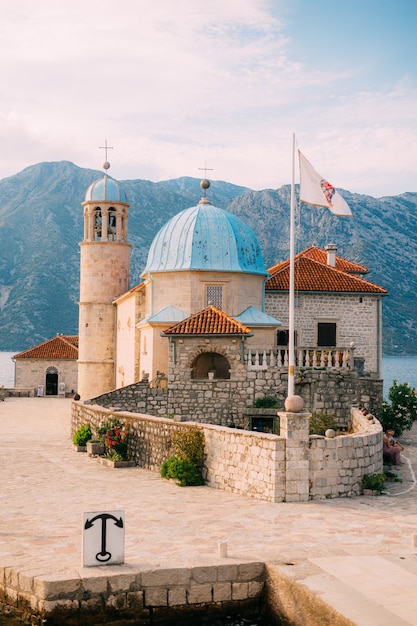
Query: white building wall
pixel 127 343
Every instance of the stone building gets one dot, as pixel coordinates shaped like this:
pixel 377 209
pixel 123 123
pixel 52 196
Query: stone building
pixel 335 307
pixel 49 368
pixel 210 323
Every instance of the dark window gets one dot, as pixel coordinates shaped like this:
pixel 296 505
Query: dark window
pixel 326 334
pixel 283 337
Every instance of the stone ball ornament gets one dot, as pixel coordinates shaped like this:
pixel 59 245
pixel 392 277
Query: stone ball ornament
pixel 330 433
pixel 294 404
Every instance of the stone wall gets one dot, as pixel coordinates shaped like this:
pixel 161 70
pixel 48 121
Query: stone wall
pixel 293 467
pixel 338 464
pixel 137 398
pixel 251 464
pixel 222 402
pixel 245 462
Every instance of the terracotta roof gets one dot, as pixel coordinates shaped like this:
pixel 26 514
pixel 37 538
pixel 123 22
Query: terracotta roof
pixel 317 254
pixel 59 347
pixel 209 321
pixel 310 275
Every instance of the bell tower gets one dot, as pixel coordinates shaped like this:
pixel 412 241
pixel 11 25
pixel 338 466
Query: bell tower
pixel 104 275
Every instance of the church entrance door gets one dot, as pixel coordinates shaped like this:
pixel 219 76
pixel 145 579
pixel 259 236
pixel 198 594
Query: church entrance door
pixel 51 382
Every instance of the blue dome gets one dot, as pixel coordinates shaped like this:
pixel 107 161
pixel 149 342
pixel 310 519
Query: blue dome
pixel 205 238
pixel 105 189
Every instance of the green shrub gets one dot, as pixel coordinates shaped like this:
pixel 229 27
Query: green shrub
pixel 321 421
pixel 185 466
pixel 401 412
pixel 392 477
pixel 184 472
pixel 82 435
pixel 188 444
pixel 373 481
pixel 265 403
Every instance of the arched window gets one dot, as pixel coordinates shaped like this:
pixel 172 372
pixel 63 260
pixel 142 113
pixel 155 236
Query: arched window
pixel 210 362
pixel 112 225
pixel 97 224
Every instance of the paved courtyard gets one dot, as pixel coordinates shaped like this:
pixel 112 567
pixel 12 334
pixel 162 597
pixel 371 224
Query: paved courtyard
pixel 357 554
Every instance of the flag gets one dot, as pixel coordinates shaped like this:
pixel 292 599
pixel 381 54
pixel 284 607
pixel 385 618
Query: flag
pixel 316 190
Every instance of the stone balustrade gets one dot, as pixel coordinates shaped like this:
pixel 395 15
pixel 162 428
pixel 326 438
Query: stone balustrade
pixel 265 358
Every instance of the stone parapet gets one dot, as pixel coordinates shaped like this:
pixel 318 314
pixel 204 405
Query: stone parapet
pixel 235 460
pixel 245 462
pixel 126 595
pixel 292 467
pixel 338 464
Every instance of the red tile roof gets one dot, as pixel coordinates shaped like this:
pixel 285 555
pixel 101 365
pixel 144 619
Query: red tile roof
pixel 59 347
pixel 312 275
pixel 317 254
pixel 209 321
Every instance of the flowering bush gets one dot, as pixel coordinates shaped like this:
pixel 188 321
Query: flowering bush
pixel 401 412
pixel 115 436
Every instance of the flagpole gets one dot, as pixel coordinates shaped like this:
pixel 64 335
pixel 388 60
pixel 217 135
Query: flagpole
pixel 291 291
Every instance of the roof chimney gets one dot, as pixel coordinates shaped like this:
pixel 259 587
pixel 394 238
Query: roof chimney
pixel 331 250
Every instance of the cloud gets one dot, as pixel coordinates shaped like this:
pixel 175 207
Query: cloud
pixel 175 84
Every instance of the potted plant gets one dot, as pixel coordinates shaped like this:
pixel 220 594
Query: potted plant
pixel 81 436
pixel 95 447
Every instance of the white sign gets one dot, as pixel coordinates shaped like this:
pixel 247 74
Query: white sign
pixel 103 538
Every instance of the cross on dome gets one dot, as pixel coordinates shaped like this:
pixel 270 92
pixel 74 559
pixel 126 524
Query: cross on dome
pixel 205 184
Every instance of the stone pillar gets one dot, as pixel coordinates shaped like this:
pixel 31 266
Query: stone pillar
pixel 294 427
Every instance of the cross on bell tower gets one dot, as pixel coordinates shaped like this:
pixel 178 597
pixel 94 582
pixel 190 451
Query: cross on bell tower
pixel 106 164
pixel 104 275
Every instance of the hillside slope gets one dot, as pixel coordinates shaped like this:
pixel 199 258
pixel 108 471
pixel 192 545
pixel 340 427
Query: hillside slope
pixel 41 226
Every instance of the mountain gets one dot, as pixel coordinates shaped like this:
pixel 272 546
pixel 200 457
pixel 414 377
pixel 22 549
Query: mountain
pixel 41 225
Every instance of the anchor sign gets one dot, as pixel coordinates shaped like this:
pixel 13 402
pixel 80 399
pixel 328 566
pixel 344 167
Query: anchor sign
pixel 103 538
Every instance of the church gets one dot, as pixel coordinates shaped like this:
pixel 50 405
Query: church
pixel 208 322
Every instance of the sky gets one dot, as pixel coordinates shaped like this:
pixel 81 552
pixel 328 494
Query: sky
pixel 176 86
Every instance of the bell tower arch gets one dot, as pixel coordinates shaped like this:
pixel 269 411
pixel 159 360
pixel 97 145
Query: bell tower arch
pixel 104 275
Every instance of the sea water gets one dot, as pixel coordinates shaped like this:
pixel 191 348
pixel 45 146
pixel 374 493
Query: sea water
pixel 7 369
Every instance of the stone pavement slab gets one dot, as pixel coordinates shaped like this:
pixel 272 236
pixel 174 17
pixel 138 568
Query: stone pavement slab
pixel 357 554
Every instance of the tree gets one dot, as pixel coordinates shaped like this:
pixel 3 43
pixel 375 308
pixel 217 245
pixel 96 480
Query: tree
pixel 401 412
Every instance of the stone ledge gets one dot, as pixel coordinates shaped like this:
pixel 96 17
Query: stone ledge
pixel 99 595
